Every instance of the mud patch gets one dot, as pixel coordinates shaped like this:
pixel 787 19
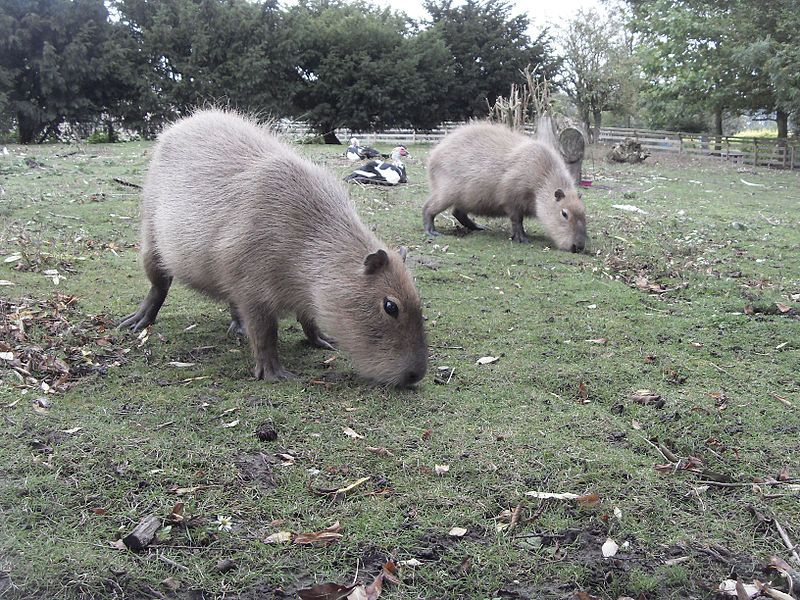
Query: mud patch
pixel 256 468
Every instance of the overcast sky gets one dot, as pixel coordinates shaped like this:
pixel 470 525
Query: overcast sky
pixel 540 12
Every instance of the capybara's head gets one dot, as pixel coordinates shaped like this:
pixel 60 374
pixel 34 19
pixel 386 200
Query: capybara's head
pixel 563 216
pixel 380 325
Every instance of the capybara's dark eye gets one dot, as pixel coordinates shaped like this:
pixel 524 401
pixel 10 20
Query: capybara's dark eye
pixel 390 308
pixel 565 214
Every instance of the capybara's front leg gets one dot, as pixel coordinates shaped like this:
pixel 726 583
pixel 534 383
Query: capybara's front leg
pixel 517 230
pixel 146 314
pixel 261 326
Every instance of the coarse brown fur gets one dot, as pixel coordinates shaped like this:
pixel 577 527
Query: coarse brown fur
pixel 233 212
pixel 491 170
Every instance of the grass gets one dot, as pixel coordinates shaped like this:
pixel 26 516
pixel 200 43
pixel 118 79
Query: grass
pixel 687 297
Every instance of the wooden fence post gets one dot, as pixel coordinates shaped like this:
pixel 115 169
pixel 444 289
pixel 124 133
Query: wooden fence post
pixel 755 152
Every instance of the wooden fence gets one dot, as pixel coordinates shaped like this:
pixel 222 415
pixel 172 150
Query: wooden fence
pixel 782 154
pixel 764 152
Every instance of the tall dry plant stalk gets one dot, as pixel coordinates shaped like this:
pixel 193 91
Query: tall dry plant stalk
pixel 524 103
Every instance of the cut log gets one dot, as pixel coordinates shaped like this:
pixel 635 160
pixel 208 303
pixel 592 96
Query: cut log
pixel 143 534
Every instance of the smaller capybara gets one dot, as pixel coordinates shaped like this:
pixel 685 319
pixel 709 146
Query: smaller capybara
pixel 491 170
pixel 231 211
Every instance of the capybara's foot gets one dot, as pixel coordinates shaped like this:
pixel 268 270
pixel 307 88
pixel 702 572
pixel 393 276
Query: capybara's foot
pixel 432 232
pixel 320 341
pixel 462 217
pixel 521 238
pixel 270 372
pixel 236 328
pixel 138 320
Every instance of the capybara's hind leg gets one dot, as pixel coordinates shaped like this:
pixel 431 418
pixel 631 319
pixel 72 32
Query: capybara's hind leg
pixel 261 326
pixel 145 315
pixel 432 207
pixel 314 335
pixel 462 217
pixel 235 328
pixel 517 230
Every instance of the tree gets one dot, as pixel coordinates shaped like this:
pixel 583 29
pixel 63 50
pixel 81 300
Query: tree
pixel 489 49
pixel 54 63
pixel 598 69
pixel 363 68
pixel 230 52
pixel 720 56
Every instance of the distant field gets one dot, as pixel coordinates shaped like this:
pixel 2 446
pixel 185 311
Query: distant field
pixel 695 300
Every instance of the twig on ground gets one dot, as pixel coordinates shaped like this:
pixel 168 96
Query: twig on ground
pixel 127 183
pixel 172 563
pixel 786 540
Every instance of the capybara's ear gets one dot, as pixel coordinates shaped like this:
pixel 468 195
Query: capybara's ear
pixel 403 252
pixel 375 262
pixel 560 195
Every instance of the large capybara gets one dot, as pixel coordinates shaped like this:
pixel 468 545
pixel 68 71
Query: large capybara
pixel 491 170
pixel 231 211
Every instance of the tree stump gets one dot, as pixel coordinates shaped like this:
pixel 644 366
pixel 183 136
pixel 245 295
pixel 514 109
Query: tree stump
pixel 573 148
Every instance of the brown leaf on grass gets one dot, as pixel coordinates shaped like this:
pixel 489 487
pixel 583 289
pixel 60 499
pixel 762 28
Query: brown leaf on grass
pixel 588 499
pixel 748 310
pixel 322 538
pixel 374 589
pixel 600 341
pixel 583 394
pixel 426 435
pixel 380 451
pixel 647 398
pixel 176 514
pixel 99 511
pixel 325 591
pixel 783 307
pixel 783 474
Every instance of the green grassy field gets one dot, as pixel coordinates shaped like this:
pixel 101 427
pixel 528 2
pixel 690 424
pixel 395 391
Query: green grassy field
pixel 696 301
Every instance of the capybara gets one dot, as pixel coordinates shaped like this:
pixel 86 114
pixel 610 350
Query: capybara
pixel 491 170
pixel 233 212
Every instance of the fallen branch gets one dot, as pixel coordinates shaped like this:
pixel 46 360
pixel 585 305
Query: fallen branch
pixel 127 183
pixel 786 540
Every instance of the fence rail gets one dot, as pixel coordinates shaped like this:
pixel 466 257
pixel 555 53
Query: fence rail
pixel 782 154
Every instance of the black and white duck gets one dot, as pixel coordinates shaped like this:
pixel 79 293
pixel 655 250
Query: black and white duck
pixel 382 172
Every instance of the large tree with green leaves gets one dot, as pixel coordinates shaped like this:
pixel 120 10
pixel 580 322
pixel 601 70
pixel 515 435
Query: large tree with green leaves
pixel 363 68
pixel 60 61
pixel 194 52
pixel 599 72
pixel 489 48
pixel 719 56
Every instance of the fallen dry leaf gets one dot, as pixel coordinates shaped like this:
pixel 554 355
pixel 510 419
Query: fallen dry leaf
pixel 729 588
pixel 457 532
pixel 342 491
pixel 181 365
pixel 176 514
pixel 325 591
pixel 588 499
pixel 609 548
pixel 280 537
pixel 73 430
pixel 352 434
pixel 485 360
pixel 553 495
pixel 783 307
pixel 601 341
pixel 324 537
pixel 647 397
pixel 441 469
pixel 380 451
pixel 231 424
